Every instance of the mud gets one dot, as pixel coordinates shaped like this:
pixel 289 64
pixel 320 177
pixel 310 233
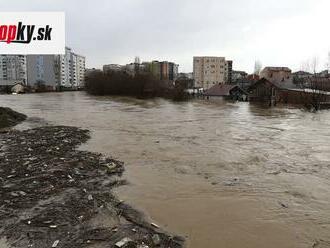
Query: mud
pixel 53 195
pixel 9 117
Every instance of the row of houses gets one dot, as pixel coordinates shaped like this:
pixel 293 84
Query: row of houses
pixel 48 71
pixel 277 85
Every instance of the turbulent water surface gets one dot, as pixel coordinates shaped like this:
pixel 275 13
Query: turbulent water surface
pixel 221 174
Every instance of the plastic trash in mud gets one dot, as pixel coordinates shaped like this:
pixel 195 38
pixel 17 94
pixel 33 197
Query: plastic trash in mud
pixel 55 243
pixel 123 242
pixel 154 225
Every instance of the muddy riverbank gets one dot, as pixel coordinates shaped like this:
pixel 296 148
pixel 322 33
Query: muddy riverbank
pixel 53 195
pixel 9 117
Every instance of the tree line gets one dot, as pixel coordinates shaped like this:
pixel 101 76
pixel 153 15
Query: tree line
pixel 139 85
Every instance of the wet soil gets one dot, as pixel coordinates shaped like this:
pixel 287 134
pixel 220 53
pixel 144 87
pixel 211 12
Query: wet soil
pixel 53 195
pixel 9 117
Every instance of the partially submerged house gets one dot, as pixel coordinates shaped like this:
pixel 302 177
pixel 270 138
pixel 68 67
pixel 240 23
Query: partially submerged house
pixel 227 91
pixel 276 87
pixel 270 92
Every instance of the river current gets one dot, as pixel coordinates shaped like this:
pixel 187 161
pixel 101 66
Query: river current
pixel 221 174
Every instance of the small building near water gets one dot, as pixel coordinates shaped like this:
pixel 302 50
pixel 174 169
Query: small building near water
pixel 18 88
pixel 12 86
pixel 285 92
pixel 227 91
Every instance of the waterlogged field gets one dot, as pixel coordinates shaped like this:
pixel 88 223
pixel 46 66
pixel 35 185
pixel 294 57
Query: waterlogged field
pixel 221 174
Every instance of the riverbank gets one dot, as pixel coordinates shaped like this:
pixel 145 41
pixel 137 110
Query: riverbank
pixel 56 196
pixel 9 117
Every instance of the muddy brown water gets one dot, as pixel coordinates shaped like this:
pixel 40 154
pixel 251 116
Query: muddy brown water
pixel 220 174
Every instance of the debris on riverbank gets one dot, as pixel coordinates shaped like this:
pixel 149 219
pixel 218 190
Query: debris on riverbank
pixel 53 195
pixel 9 117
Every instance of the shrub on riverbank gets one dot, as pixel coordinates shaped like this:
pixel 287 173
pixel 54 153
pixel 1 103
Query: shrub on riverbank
pixel 140 85
pixel 9 117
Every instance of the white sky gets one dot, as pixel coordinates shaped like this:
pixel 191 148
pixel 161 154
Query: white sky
pixel 276 32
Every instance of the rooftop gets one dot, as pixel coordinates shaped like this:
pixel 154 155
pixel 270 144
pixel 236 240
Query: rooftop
pixel 221 90
pixel 274 68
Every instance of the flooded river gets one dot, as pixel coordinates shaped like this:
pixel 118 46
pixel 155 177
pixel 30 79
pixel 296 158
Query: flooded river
pixel 220 174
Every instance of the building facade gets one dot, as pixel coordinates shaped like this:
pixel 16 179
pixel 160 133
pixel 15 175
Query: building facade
pixel 52 71
pixel 41 70
pixel 238 75
pixel 209 71
pixel 161 70
pixel 70 69
pixel 13 69
pixel 276 74
pixel 112 67
pixel 229 72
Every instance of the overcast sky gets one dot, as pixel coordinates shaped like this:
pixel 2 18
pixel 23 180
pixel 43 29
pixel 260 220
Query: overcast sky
pixel 276 32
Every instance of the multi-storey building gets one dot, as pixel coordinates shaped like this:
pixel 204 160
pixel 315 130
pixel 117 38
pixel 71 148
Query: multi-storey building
pixel 66 70
pixel 164 70
pixel 78 70
pixel 112 67
pixel 209 71
pixel 41 70
pixel 229 72
pixel 173 71
pixel 70 69
pixel 13 69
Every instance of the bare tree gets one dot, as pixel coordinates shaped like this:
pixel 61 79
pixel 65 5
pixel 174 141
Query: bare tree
pixel 314 87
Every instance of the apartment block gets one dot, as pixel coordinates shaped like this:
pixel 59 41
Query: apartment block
pixel 209 71
pixel 112 67
pixel 71 69
pixel 164 70
pixel 13 69
pixel 41 70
